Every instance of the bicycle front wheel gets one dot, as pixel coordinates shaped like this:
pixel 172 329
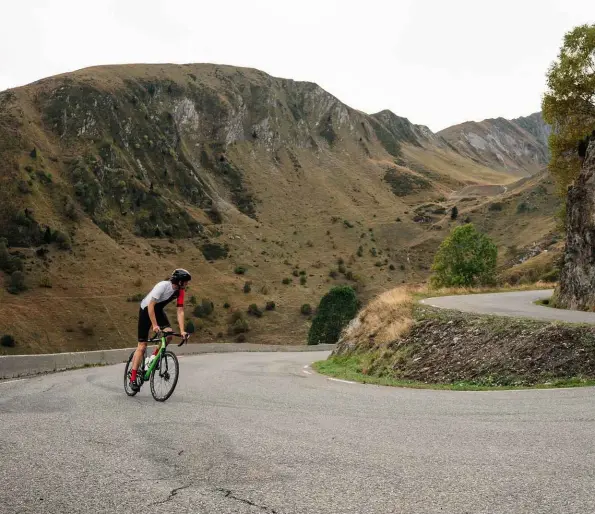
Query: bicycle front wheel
pixel 165 377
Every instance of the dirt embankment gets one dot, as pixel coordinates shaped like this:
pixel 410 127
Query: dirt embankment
pixel 445 347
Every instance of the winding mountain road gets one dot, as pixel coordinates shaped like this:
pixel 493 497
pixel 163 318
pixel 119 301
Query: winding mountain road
pixel 261 433
pixel 519 304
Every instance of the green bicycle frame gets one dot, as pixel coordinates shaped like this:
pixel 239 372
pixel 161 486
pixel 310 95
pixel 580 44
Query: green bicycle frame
pixel 156 359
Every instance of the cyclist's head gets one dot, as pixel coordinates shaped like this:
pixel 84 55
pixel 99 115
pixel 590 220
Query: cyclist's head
pixel 180 277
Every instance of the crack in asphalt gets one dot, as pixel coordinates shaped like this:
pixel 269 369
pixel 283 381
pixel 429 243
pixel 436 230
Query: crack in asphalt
pixel 171 496
pixel 229 494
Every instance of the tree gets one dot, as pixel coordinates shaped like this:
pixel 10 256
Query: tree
pixel 569 103
pixel 454 213
pixel 337 308
pixel 465 258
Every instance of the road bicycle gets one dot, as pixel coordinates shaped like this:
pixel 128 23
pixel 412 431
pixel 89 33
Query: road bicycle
pixel 162 369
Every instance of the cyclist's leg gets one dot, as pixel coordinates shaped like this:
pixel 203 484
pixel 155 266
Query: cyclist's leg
pixel 144 325
pixel 163 322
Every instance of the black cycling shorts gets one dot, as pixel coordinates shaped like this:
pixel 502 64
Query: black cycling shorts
pixel 145 325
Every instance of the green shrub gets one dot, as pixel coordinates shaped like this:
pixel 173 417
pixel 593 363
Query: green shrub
pixel 214 251
pixel 205 308
pixel 238 323
pixel 190 328
pixel 70 210
pixel 454 213
pixel 16 283
pixel 88 330
pixel 403 183
pixel 342 269
pixel 23 187
pixel 465 258
pixel 254 310
pixel 9 263
pixel 336 309
pixel 496 206
pixel 525 207
pixel 306 309
pixel 226 305
pixel 295 273
pixel 240 270
pixel 270 306
pixel 62 239
pixel 247 287
pixel 286 281
pixel 303 280
pixel 193 300
pixel 138 297
pixel 360 251
pixel 392 267
pixel 45 281
pixel 7 341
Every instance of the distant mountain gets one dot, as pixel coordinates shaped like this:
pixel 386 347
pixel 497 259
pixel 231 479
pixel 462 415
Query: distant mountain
pixel 519 145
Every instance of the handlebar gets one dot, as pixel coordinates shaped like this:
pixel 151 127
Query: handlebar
pixel 169 334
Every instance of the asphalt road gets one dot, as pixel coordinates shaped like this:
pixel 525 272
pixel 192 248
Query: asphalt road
pixel 517 304
pixel 257 433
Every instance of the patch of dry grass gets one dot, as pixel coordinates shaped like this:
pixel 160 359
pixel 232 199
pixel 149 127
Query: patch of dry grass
pixel 426 292
pixel 534 269
pixel 385 319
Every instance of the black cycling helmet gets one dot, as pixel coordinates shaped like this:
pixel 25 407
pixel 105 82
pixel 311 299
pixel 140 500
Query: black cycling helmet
pixel 180 275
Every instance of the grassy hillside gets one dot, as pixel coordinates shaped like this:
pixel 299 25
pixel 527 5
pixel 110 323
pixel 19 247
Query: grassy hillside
pixel 110 177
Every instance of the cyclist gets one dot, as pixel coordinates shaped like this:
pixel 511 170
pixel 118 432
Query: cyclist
pixel 152 315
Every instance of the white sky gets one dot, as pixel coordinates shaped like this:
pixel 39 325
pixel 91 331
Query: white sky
pixel 437 62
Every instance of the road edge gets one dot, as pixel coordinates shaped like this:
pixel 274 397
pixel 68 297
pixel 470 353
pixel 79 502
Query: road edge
pixel 17 366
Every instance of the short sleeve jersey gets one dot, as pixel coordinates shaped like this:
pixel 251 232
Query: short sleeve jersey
pixel 163 293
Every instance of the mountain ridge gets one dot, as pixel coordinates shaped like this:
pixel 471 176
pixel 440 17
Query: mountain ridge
pixel 520 144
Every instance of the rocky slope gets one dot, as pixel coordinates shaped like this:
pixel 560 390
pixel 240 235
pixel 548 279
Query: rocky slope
pixel 519 145
pixel 112 176
pixel 576 288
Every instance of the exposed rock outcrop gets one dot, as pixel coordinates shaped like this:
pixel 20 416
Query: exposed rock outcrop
pixel 577 280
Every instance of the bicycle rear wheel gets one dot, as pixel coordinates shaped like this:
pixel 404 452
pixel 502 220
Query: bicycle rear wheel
pixel 127 372
pixel 165 377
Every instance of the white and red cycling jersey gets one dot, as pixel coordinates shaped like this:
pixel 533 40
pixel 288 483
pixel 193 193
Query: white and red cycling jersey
pixel 162 294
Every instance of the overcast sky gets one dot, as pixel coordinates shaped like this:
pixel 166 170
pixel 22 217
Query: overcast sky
pixel 436 62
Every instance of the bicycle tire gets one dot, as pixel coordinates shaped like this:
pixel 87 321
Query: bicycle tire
pixel 127 371
pixel 170 359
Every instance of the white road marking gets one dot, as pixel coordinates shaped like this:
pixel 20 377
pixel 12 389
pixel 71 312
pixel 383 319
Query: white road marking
pixel 10 381
pixel 339 380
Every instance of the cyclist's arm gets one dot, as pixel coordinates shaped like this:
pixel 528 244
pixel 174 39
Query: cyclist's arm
pixel 151 309
pixel 180 306
pixel 181 319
